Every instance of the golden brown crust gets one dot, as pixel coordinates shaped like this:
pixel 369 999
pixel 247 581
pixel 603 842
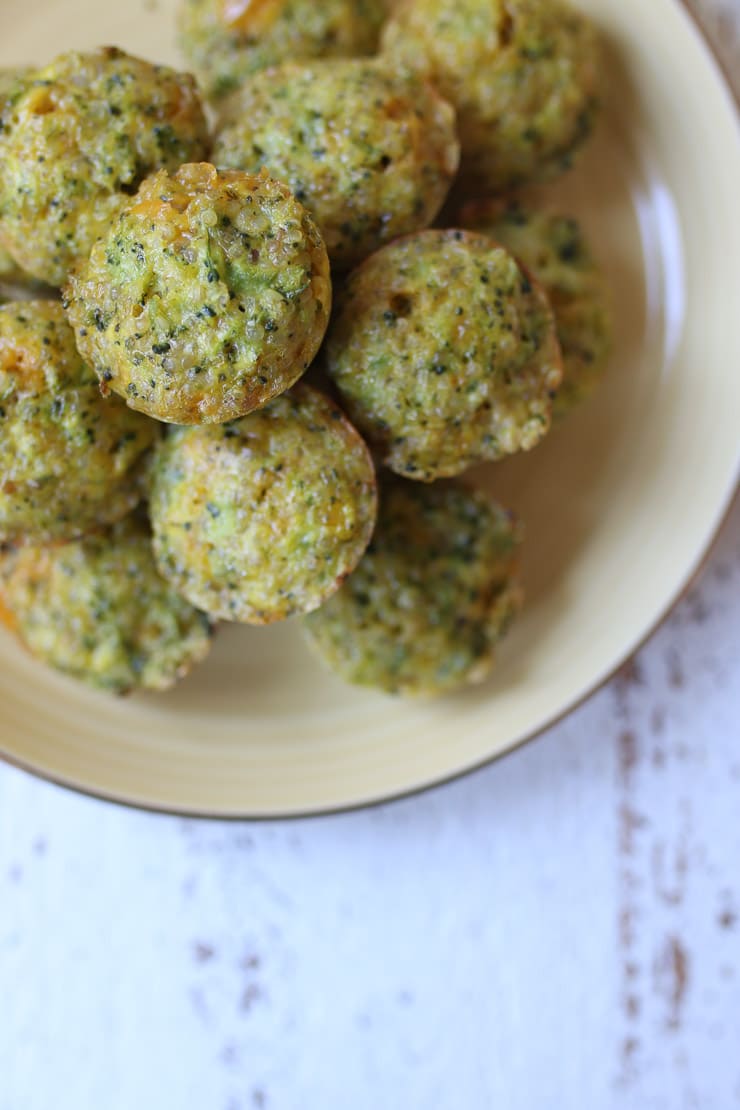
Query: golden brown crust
pixel 226 41
pixel 444 351
pixel 209 296
pixel 97 610
pixel 382 152
pixel 263 518
pixel 554 247
pixel 70 461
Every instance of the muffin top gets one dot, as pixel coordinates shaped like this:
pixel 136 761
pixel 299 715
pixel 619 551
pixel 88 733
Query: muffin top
pixel 69 459
pixel 78 135
pixel 97 610
pixel 431 598
pixel 263 518
pixel 444 352
pixel 208 296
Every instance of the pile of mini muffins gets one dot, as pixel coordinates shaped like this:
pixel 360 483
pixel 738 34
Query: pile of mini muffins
pixel 281 340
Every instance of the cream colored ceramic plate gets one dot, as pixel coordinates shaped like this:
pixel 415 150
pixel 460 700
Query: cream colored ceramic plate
pixel 620 503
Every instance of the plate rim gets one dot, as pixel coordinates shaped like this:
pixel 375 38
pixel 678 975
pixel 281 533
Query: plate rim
pixel 402 795
pixel 704 554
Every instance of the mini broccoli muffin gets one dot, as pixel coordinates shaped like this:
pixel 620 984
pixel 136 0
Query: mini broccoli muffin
pixel 523 76
pixel 370 153
pixel 98 610
pixel 431 598
pixel 555 249
pixel 263 518
pixel 226 41
pixel 17 286
pixel 70 461
pixel 209 295
pixel 444 352
pixel 74 137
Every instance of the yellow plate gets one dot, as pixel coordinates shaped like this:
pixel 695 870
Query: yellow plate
pixel 620 503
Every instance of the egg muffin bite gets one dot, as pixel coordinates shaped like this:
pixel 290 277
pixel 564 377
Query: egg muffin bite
pixel 225 41
pixel 70 461
pixel 263 518
pixel 16 285
pixel 523 76
pixel 556 251
pixel 444 353
pixel 432 597
pixel 77 135
pixel 371 153
pixel 9 271
pixel 208 296
pixel 98 610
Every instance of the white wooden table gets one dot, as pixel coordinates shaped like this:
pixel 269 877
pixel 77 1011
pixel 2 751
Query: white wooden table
pixel 561 930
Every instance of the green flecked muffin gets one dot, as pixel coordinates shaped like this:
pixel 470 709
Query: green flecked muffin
pixel 70 461
pixel 523 76
pixel 431 598
pixel 444 352
pixel 225 41
pixel 208 296
pixel 97 610
pixel 556 251
pixel 9 271
pixel 263 518
pixel 370 153
pixel 77 135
